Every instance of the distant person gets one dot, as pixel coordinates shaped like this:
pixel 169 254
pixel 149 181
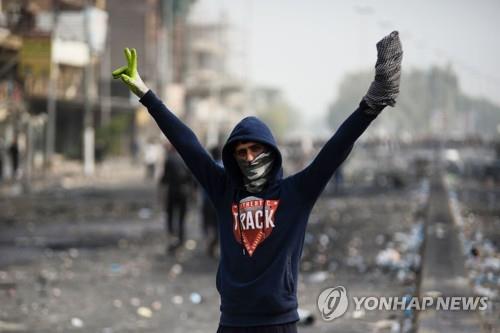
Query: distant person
pixel 151 158
pixel 14 157
pixel 2 150
pixel 262 216
pixel 178 186
pixel 134 150
pixel 100 151
pixel 208 212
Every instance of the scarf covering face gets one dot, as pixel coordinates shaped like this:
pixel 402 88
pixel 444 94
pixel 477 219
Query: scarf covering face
pixel 256 173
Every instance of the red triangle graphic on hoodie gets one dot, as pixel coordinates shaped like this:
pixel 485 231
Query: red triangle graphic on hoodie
pixel 256 221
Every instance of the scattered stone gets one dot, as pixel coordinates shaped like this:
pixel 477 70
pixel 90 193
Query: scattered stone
pixel 156 305
pixel 190 244
pixel 318 277
pixel 195 298
pixel 134 301
pixel 306 317
pixel 56 292
pixel 76 322
pixel 175 270
pixel 117 303
pixel 358 314
pixel 145 213
pixel 144 312
pixel 387 325
pixel 177 299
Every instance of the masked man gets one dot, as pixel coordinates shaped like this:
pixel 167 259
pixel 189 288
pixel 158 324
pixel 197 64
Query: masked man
pixel 262 216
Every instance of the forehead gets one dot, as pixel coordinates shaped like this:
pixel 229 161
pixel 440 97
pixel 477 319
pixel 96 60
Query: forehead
pixel 247 144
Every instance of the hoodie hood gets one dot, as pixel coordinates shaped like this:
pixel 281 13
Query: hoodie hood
pixel 250 129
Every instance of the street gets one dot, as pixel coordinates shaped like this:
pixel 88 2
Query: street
pixel 91 258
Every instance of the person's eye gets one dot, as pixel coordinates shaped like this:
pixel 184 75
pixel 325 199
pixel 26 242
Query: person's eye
pixel 257 149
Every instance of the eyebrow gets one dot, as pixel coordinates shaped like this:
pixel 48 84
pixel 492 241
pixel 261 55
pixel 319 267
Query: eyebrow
pixel 249 147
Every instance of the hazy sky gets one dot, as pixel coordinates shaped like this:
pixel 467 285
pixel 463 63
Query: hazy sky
pixel 306 47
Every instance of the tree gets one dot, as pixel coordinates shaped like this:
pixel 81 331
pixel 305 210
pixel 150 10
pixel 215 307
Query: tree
pixel 425 96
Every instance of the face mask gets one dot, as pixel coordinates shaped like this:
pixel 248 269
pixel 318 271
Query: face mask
pixel 256 173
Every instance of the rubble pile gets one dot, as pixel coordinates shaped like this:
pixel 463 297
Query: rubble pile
pixel 479 233
pixel 389 246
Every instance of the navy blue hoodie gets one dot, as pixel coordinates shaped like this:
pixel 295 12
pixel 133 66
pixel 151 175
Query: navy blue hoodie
pixel 258 268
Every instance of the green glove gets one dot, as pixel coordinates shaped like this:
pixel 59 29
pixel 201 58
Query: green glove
pixel 129 75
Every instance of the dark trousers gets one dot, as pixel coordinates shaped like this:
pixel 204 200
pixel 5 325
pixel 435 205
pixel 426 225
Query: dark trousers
pixel 282 328
pixel 176 212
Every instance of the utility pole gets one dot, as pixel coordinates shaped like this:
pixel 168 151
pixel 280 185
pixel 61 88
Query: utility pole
pixel 164 47
pixel 88 117
pixel 28 166
pixel 105 96
pixel 52 95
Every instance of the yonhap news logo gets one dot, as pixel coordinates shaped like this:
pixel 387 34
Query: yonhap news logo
pixel 334 302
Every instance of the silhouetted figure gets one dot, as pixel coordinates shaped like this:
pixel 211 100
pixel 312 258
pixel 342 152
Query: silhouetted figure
pixel 14 157
pixel 178 182
pixel 134 151
pixel 2 148
pixel 151 157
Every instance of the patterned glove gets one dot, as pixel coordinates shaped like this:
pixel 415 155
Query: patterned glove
pixel 385 88
pixel 129 75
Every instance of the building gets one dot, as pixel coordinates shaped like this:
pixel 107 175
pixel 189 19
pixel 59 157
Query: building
pixel 215 99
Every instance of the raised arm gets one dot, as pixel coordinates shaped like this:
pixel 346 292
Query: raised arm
pixel 208 173
pixel 382 92
pixel 312 180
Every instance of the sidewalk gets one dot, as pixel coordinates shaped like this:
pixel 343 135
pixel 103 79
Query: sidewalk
pixel 68 174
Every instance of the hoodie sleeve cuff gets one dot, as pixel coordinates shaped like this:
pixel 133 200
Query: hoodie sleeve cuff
pixel 149 98
pixel 369 112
